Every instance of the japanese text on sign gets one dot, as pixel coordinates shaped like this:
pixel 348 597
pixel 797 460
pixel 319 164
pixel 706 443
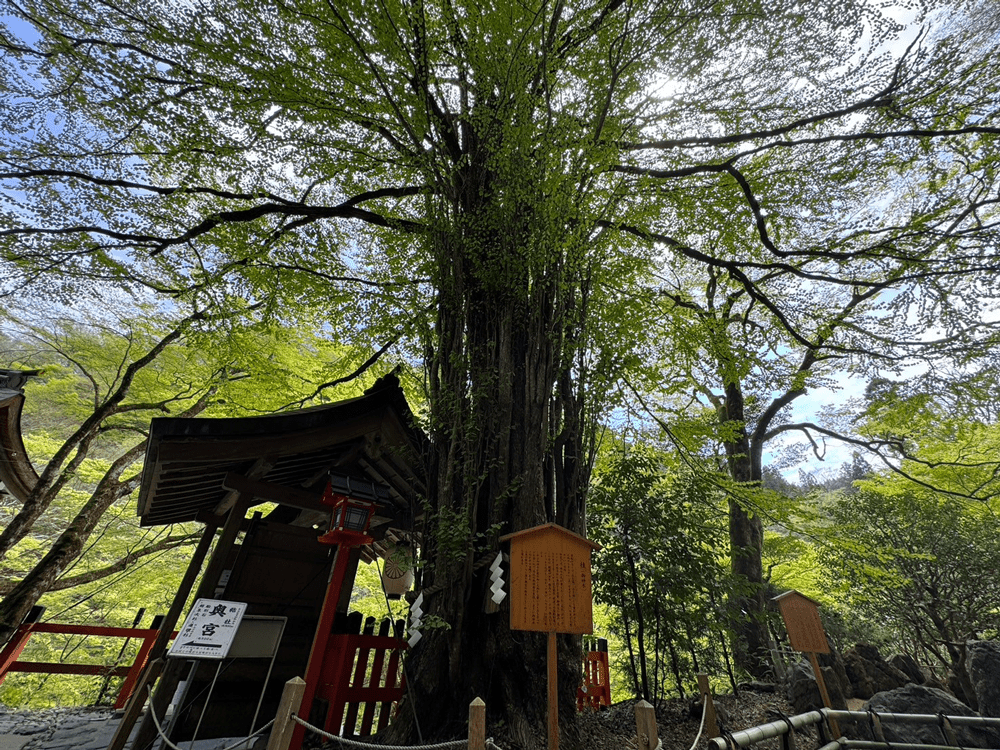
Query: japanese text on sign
pixel 802 623
pixel 208 630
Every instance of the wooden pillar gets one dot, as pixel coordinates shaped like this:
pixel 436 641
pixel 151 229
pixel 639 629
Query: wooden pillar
pixel 291 697
pixel 174 668
pixel 711 722
pixel 647 735
pixel 156 653
pixel 821 684
pixel 477 725
pixel 553 694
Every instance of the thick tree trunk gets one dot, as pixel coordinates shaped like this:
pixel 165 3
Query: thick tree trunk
pixel 506 455
pixel 746 544
pixel 750 646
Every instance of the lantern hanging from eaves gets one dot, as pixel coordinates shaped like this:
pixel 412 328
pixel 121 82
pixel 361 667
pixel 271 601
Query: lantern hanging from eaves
pixel 397 571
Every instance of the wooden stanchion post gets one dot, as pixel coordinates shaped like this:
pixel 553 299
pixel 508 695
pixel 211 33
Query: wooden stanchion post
pixel 821 684
pixel 553 694
pixel 711 722
pixel 291 697
pixel 645 726
pixel 477 725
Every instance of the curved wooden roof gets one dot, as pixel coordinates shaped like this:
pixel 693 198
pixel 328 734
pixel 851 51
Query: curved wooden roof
pixel 199 466
pixel 17 476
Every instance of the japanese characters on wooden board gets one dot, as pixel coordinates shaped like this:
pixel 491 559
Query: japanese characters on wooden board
pixel 550 587
pixel 801 616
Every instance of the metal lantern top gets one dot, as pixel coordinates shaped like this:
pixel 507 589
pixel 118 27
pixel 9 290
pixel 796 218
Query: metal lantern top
pixel 349 520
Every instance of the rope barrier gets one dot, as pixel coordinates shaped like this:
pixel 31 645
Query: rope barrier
pixel 172 746
pixel 701 727
pixel 355 743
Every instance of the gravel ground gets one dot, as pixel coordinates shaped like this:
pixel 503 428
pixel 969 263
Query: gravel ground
pixel 678 720
pixel 76 728
pixel 609 729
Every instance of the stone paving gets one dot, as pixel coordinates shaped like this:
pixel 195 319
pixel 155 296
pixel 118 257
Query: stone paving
pixel 74 729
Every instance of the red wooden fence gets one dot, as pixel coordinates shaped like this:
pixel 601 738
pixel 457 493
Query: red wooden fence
pixel 595 691
pixel 9 656
pixel 362 674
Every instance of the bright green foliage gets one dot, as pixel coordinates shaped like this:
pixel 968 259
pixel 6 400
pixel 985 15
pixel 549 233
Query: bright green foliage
pixel 503 189
pixel 661 572
pixel 919 566
pixel 369 599
pixel 242 370
pixel 149 583
pixel 942 433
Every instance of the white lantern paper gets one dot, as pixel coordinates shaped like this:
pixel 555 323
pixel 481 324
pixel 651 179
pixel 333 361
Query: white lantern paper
pixel 397 571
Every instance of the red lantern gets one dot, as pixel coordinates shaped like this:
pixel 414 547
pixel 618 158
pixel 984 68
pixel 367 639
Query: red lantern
pixel 349 521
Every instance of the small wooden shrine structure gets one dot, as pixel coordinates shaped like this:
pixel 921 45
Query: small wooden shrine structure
pixel 215 471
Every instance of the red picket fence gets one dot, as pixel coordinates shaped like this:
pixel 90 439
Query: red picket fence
pixel 9 656
pixel 595 691
pixel 362 674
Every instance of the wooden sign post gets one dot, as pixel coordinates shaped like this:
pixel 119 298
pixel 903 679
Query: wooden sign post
pixel 806 635
pixel 550 592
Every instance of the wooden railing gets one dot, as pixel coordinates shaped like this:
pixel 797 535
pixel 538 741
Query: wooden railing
pixel 9 656
pixel 362 675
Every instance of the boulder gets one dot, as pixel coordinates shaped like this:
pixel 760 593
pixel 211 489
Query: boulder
pixel 834 671
pixel 869 673
pixel 918 699
pixel 982 659
pixel 908 666
pixel 960 686
pixel 758 687
pixel 803 693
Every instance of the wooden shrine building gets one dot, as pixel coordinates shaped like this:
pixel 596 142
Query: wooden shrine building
pixel 260 480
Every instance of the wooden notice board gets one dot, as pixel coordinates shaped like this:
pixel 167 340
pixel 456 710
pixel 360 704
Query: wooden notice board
pixel 550 590
pixel 801 616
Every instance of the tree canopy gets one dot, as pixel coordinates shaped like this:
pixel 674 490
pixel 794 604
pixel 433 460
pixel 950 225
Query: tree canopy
pixel 501 191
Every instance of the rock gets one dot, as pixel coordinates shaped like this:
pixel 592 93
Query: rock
pixel 908 666
pixel 869 673
pixel 918 699
pixel 803 693
pixel 800 688
pixel 982 659
pixel 838 674
pixel 962 689
pixel 758 687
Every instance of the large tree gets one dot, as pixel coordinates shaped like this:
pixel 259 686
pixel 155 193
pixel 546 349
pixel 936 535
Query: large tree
pixel 491 184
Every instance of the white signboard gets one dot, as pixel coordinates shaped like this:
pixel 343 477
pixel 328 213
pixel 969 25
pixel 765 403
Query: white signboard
pixel 208 630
